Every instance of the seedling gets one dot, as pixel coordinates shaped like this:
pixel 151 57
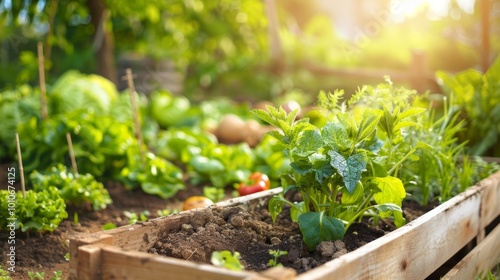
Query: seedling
pixel 4 274
pixel 66 257
pixel 276 254
pixel 57 275
pixel 108 226
pixel 227 259
pixel 36 275
pixel 134 218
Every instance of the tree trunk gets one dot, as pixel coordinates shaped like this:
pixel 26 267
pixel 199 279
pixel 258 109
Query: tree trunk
pixel 103 40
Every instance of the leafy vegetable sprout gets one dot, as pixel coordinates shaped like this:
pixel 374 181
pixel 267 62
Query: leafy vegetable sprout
pixel 227 259
pixel 276 254
pixel 36 275
pixel 134 218
pixel 4 274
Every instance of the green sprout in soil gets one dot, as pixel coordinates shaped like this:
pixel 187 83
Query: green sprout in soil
pixel 276 254
pixel 4 274
pixel 36 275
pixel 57 275
pixel 108 226
pixel 134 218
pixel 227 259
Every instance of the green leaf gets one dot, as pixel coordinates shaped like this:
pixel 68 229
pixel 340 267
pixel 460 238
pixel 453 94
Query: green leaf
pixel 308 143
pixel 352 198
pixel 368 124
pixel 275 205
pixel 335 135
pixel 295 212
pixel 400 125
pixel 349 169
pixel 412 111
pixel 387 209
pixel 391 190
pixel 387 121
pixel 317 227
pixel 206 165
pixel 227 259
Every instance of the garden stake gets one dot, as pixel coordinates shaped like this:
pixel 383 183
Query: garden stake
pixel 72 154
pixel 138 133
pixel 20 161
pixel 41 74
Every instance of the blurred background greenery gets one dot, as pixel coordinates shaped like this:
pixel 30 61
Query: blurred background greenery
pixel 245 49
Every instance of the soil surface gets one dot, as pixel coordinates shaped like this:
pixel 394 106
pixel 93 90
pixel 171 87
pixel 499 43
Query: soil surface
pixel 37 252
pixel 252 234
pixel 235 229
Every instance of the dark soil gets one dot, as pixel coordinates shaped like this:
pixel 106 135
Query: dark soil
pixel 250 234
pixel 36 252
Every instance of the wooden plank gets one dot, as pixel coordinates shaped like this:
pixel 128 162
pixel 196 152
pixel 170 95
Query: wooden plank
pixel 413 251
pixel 482 258
pixel 121 264
pixel 76 241
pixel 89 262
pixel 490 205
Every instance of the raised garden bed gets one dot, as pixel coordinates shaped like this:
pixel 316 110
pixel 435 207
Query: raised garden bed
pixel 414 251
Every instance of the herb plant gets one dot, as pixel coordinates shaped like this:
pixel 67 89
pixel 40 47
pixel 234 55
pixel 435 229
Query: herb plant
pixel 477 96
pixel 76 190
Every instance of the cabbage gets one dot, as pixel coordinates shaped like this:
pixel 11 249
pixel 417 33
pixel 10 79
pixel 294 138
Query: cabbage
pixel 74 91
pixel 16 107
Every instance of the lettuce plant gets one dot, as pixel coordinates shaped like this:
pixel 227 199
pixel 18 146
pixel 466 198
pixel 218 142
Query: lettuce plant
pixel 39 211
pixel 76 190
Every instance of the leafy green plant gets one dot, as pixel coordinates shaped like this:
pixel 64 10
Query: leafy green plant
pixel 36 275
pixel 57 275
pixel 133 217
pixel 39 211
pixel 74 91
pixel 329 161
pixel 66 257
pixel 276 254
pixel 108 226
pixel 478 99
pixel 76 190
pixel 155 175
pixel 4 274
pixel 227 259
pixel 221 165
pixel 16 107
pixel 100 142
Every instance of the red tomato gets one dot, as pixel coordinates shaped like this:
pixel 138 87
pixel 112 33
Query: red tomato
pixel 258 182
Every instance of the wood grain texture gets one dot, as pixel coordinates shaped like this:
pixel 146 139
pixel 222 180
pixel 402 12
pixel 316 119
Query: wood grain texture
pixel 121 264
pixel 482 258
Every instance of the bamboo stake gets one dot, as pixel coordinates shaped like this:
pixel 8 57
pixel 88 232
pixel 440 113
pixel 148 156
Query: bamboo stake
pixel 138 133
pixel 41 74
pixel 20 161
pixel 72 154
